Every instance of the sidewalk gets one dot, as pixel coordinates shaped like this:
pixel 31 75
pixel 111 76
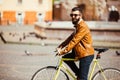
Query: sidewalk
pixel 18 39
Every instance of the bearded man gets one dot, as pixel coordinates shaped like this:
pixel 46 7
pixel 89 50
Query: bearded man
pixel 80 45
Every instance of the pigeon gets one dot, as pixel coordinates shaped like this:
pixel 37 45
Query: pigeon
pixel 117 53
pixel 28 53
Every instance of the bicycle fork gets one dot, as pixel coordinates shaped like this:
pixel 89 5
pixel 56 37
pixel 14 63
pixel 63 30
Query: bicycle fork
pixel 58 71
pixel 56 74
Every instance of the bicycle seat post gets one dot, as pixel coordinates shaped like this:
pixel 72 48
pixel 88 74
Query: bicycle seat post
pixel 98 56
pixel 100 50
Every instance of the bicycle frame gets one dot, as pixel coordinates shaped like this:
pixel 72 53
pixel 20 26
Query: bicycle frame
pixel 61 65
pixel 96 63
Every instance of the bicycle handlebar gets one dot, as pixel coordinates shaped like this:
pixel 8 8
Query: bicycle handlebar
pixel 99 50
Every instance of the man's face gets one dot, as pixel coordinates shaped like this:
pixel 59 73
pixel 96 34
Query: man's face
pixel 76 16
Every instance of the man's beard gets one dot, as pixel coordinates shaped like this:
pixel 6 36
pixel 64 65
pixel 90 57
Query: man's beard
pixel 75 21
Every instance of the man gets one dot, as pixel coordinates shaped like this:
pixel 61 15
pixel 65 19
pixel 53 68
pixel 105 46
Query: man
pixel 80 42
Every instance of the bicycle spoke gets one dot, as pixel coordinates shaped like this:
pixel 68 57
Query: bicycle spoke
pixel 48 73
pixel 109 73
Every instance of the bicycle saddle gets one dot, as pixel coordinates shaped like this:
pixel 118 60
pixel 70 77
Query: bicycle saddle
pixel 100 50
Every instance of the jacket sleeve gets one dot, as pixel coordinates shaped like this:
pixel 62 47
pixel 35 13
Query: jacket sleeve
pixel 63 44
pixel 80 33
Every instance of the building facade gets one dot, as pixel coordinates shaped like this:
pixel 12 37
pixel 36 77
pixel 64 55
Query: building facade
pixel 31 11
pixel 92 9
pixel 24 11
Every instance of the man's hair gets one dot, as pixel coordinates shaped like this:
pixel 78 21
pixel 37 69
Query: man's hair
pixel 77 9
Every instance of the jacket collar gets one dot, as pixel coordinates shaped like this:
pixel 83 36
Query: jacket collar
pixel 81 20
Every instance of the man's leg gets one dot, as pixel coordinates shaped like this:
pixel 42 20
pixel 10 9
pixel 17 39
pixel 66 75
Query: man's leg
pixel 72 64
pixel 84 67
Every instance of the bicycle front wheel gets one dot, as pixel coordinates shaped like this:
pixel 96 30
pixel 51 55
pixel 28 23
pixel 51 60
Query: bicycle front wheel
pixel 48 73
pixel 109 73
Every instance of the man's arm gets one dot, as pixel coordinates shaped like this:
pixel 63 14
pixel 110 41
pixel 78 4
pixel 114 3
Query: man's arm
pixel 75 40
pixel 63 44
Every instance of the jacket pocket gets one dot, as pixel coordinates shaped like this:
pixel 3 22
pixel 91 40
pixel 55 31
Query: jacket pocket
pixel 80 50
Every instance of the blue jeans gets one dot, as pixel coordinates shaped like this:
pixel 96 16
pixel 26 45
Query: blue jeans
pixel 84 64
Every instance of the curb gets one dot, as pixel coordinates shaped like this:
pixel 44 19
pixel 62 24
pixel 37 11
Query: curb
pixel 108 44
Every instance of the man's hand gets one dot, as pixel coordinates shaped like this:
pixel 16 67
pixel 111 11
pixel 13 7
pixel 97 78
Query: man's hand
pixel 58 50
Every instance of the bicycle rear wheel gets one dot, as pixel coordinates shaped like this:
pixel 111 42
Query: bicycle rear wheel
pixel 110 74
pixel 47 73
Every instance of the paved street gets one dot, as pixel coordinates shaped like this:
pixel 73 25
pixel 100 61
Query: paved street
pixel 15 64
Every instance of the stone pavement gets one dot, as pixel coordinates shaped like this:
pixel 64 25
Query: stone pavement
pixel 15 64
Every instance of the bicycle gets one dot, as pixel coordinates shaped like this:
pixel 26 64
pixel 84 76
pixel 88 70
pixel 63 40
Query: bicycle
pixel 61 72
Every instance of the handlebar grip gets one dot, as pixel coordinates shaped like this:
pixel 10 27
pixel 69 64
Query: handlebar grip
pixel 56 54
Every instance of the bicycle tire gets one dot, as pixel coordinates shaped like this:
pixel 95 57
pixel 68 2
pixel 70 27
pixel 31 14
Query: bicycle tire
pixel 110 74
pixel 47 73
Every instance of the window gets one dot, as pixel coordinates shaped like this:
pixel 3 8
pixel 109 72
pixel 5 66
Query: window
pixel 40 1
pixel 19 1
pixel 1 1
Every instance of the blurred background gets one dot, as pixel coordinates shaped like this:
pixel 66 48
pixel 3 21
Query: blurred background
pixel 30 31
pixel 31 11
pixel 24 19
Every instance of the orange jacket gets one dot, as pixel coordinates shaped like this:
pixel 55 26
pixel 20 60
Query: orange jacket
pixel 80 41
